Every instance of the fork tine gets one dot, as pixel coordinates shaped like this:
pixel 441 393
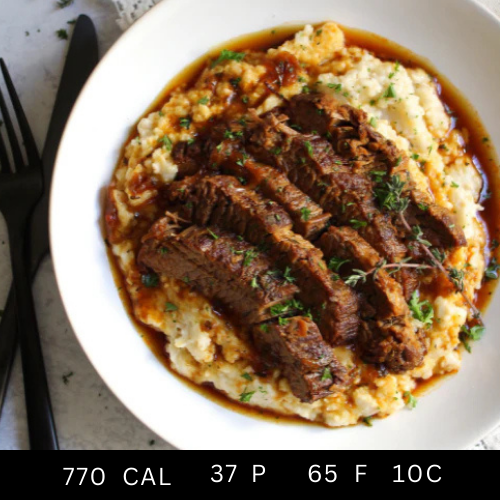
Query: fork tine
pixel 4 159
pixel 16 152
pixel 29 141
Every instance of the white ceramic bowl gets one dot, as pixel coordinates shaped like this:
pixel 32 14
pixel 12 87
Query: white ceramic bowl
pixel 462 40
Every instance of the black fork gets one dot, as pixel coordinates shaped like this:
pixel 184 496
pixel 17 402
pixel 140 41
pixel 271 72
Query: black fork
pixel 21 186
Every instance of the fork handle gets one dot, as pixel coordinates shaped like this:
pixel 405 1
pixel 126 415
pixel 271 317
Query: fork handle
pixel 41 426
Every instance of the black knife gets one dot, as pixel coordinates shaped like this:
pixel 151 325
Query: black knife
pixel 81 59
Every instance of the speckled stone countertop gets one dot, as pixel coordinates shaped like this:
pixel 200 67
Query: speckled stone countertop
pixel 88 415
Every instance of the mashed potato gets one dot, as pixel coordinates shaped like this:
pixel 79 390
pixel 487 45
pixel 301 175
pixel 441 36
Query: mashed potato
pixel 404 106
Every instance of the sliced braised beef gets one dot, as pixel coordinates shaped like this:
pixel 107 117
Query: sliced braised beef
pixel 296 347
pixel 387 335
pixel 310 163
pixel 221 267
pixel 189 157
pixel 355 140
pixel 308 217
pixel 225 202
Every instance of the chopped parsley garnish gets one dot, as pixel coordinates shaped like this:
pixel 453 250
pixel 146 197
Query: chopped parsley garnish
pixel 247 376
pixel 204 100
pixel 245 397
pixel 454 185
pixel 373 122
pixel 390 92
pixel 212 234
pixel 62 34
pixel 336 263
pixel 185 122
pixel 326 375
pixel 169 307
pixel 283 321
pixel 335 86
pixel 491 272
pixel 186 279
pixel 228 55
pixel 229 134
pixel 411 400
pixel 249 257
pixel 245 99
pixel 285 307
pixel 166 142
pixel 471 333
pixel 235 82
pixel 264 328
pixel 368 421
pixel 305 214
pixel 287 276
pixel 357 224
pixel 254 283
pixel 396 69
pixel 421 310
pixel 150 280
pixel 309 148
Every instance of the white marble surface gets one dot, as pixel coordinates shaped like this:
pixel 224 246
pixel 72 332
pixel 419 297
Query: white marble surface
pixel 88 416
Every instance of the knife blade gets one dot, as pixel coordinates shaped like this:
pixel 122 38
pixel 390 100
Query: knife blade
pixel 81 59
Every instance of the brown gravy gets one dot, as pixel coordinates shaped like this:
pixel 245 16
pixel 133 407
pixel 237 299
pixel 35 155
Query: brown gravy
pixel 463 116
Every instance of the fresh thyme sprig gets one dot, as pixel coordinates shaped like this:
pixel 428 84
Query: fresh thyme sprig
pixel 455 277
pixel 360 276
pixel 390 196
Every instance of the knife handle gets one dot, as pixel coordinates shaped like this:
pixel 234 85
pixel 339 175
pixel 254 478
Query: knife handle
pixel 8 341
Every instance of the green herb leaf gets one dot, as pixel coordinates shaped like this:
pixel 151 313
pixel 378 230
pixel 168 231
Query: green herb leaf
pixel 357 224
pixel 169 307
pixel 62 34
pixel 305 213
pixel 368 421
pixel 309 148
pixel 150 280
pixel 390 92
pixel 467 334
pixel 326 375
pixel 287 275
pixel 185 122
pixel 204 100
pixel 166 142
pixel 247 376
pixel 245 397
pixel 336 263
pixel 390 195
pixel 421 310
pixel 411 400
pixel 228 55
pixel 212 234
pixel 491 272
